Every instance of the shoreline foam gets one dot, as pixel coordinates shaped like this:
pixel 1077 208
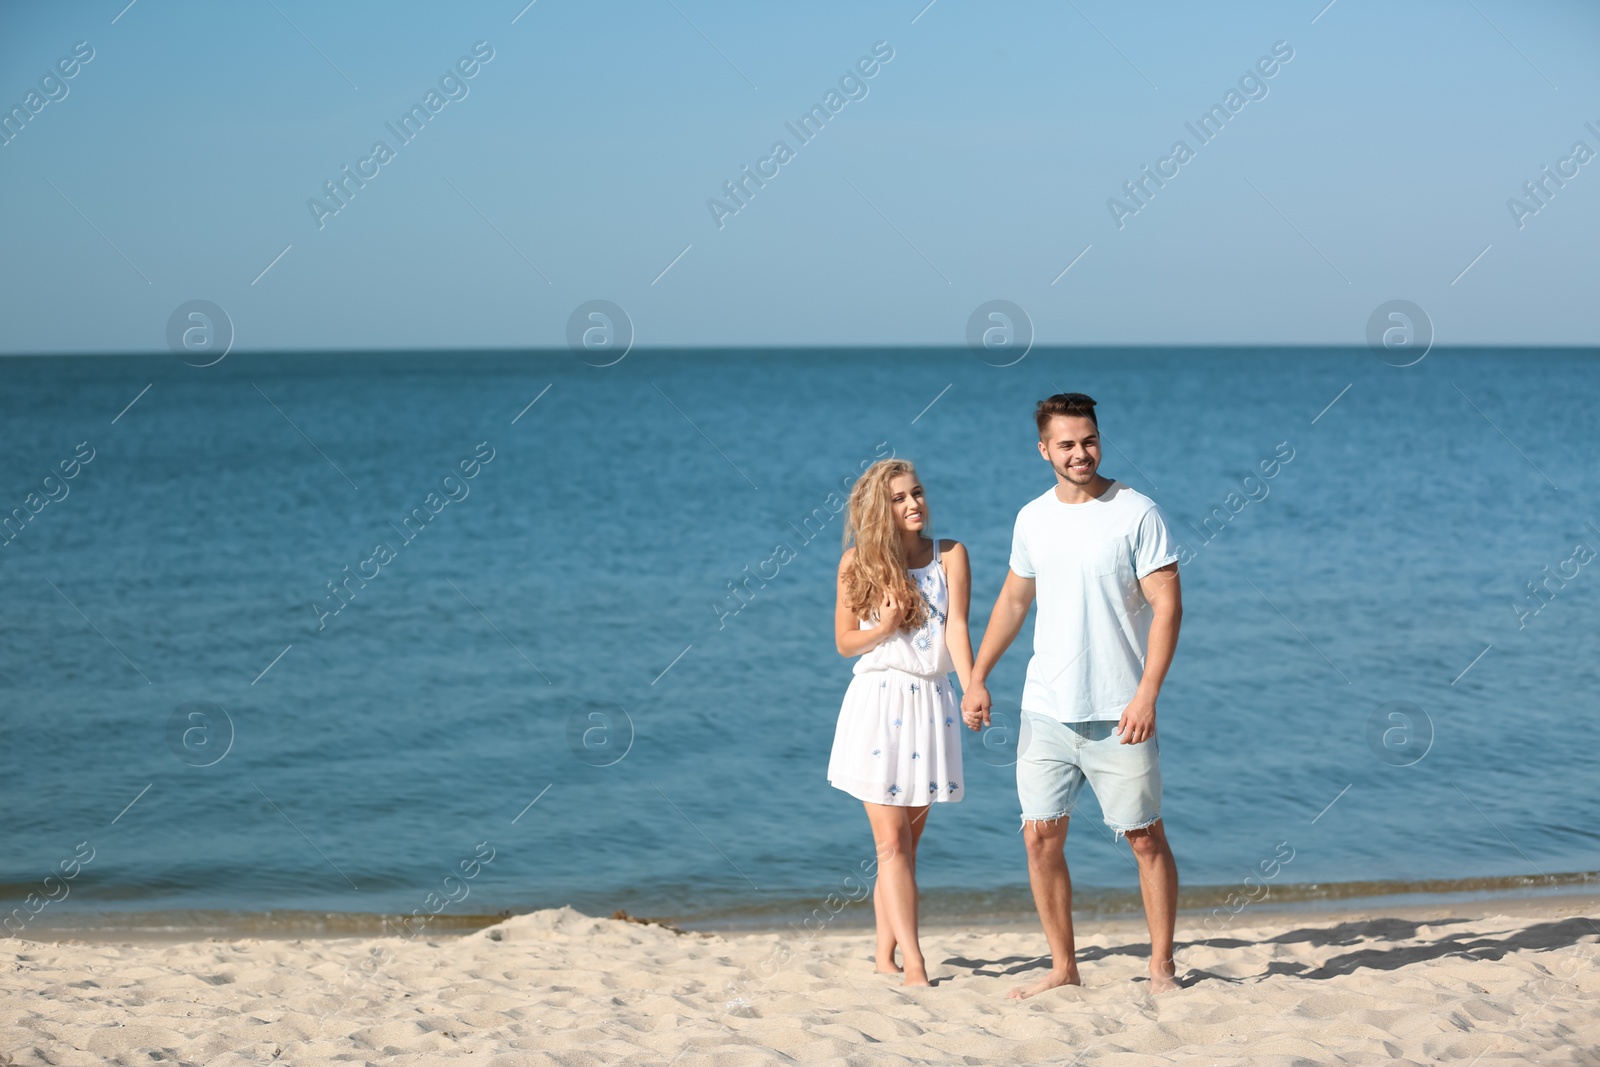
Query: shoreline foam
pixel 940 908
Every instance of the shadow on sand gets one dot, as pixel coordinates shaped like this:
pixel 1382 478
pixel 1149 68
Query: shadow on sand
pixel 1370 934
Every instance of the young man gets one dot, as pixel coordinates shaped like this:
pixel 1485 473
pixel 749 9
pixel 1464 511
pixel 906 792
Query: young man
pixel 1100 559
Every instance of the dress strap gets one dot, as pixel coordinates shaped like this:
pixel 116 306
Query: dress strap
pixel 936 550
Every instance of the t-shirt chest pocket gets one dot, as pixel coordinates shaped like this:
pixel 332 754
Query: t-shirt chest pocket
pixel 1102 560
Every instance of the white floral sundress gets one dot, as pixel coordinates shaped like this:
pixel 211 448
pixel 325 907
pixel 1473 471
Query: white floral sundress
pixel 898 739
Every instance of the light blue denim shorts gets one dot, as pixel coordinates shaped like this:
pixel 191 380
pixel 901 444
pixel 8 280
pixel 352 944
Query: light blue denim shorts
pixel 1055 758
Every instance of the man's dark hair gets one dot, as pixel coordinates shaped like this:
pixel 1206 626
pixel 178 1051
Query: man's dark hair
pixel 1077 404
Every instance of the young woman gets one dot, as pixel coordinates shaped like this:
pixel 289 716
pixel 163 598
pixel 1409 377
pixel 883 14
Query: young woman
pixel 902 607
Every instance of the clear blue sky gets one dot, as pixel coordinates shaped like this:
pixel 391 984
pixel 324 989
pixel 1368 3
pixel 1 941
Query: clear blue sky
pixel 1377 166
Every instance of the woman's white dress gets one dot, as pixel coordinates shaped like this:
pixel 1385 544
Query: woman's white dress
pixel 898 740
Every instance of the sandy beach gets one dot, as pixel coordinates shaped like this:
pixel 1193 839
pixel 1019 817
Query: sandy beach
pixel 1495 983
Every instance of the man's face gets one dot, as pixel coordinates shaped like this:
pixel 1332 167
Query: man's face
pixel 1071 445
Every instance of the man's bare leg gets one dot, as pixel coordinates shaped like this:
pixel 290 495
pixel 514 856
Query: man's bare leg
pixel 1158 884
pixel 1052 896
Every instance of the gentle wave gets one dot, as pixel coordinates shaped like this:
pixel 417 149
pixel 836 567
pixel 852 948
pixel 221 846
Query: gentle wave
pixel 939 907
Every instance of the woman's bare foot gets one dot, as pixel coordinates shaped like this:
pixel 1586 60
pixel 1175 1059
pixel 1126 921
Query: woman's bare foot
pixel 916 972
pixel 1049 981
pixel 1163 979
pixel 891 969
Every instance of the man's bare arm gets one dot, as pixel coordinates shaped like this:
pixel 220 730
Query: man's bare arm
pixel 1164 593
pixel 1005 622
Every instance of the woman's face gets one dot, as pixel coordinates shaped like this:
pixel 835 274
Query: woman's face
pixel 906 501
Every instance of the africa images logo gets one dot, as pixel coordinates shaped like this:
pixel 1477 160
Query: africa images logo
pixel 852 87
pixel 1252 86
pixel 453 87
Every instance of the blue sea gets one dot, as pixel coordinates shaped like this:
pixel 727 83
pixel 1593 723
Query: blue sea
pixel 461 632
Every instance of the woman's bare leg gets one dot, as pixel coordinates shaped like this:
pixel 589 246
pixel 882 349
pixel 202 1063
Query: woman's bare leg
pixel 895 893
pixel 886 941
pixel 884 960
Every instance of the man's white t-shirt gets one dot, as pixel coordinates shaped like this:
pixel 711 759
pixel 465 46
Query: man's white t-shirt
pixel 1093 626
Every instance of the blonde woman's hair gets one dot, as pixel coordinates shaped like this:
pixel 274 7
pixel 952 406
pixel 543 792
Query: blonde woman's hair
pixel 879 563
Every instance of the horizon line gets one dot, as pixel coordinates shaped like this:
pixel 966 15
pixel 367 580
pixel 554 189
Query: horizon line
pixel 771 348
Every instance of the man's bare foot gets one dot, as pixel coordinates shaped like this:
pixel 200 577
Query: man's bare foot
pixel 1162 981
pixel 1049 981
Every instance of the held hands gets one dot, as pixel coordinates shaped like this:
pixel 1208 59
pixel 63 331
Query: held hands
pixel 1138 722
pixel 975 705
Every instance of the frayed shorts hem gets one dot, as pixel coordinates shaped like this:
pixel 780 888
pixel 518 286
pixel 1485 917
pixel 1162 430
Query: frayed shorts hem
pixel 1117 829
pixel 1057 817
pixel 1120 831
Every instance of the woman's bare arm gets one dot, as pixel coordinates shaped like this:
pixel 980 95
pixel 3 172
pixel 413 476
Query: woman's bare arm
pixel 848 637
pixel 957 637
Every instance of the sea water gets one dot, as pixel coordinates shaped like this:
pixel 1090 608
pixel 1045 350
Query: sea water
pixel 467 632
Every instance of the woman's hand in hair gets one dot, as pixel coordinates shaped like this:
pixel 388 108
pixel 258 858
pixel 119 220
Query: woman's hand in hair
pixel 889 613
pixel 850 636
